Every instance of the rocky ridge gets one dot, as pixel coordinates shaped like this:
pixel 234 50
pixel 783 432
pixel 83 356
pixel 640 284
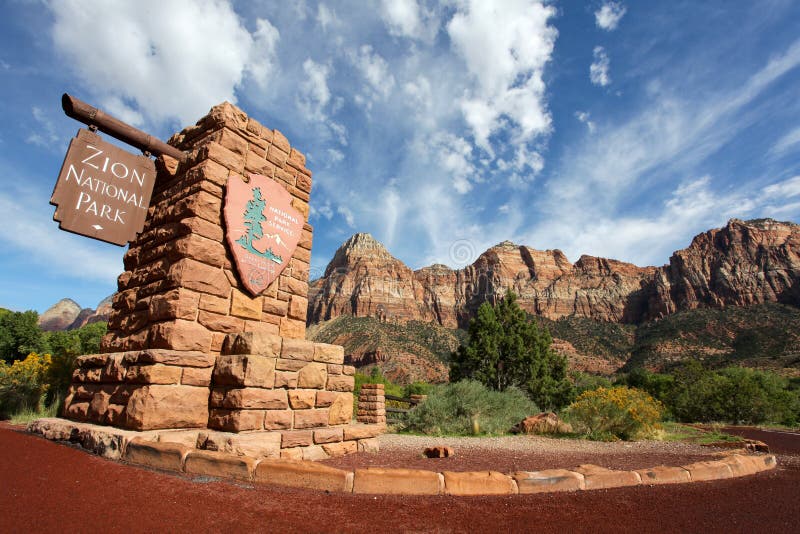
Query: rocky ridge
pixel 741 264
pixel 66 314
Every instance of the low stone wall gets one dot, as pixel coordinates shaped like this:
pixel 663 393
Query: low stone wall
pixel 371 404
pixel 259 382
pixel 169 450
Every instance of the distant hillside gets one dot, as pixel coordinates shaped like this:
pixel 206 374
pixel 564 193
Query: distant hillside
pixel 404 352
pixel 765 336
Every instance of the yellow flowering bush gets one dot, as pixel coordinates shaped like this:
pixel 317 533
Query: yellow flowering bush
pixel 23 383
pixel 615 413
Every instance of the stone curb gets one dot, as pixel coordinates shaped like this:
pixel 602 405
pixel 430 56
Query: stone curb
pixel 391 481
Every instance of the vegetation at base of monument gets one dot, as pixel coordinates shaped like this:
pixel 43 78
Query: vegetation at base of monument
pixel 615 413
pixel 35 381
pixel 506 349
pixel 389 388
pixel 469 408
pixel 736 395
pixel 23 383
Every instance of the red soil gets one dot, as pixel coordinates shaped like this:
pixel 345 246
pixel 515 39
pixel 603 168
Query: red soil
pixel 46 487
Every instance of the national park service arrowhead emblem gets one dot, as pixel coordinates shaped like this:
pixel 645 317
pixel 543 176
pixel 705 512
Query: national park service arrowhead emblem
pixel 262 229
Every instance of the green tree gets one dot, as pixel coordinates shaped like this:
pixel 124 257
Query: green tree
pixel 20 335
pixel 65 347
pixel 505 348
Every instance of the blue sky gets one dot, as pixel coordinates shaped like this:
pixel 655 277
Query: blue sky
pixel 617 129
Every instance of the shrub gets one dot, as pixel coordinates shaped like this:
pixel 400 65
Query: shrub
pixel 23 383
pixel 619 412
pixel 469 408
pixel 588 382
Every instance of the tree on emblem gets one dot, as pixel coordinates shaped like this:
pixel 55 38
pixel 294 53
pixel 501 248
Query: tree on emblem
pixel 253 217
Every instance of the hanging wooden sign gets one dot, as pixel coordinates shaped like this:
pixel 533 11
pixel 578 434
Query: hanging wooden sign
pixel 262 229
pixel 103 191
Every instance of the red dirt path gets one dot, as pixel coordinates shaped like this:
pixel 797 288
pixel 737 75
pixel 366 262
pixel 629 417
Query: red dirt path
pixel 47 487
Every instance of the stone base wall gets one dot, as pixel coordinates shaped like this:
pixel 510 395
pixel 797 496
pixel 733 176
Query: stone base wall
pixel 259 382
pixel 141 389
pixel 371 404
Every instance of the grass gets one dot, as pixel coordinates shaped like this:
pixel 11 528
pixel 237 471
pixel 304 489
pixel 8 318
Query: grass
pixel 690 434
pixel 26 414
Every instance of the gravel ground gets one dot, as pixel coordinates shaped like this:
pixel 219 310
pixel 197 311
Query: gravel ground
pixel 522 453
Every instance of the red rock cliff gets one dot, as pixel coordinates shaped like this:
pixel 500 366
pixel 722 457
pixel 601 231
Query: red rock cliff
pixel 740 264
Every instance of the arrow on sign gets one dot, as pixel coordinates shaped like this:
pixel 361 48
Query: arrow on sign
pixel 97 227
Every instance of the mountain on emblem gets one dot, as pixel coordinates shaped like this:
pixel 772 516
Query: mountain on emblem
pixel 262 229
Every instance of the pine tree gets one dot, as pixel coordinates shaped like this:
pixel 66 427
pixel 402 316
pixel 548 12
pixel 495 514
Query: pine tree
pixel 506 349
pixel 253 217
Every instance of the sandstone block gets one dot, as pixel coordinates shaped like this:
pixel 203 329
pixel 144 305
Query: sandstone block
pixel 348 370
pixel 290 365
pixel 709 470
pixel 549 480
pixel 328 435
pixel 300 438
pixel 278 419
pixel 193 376
pixel 359 431
pixel 311 418
pixel 341 410
pixel 301 474
pixel 343 448
pixel 273 306
pixel 664 475
pixel 254 445
pixel 292 328
pixel 255 399
pixel 439 451
pixel 235 420
pixel 220 323
pixel 596 477
pixel 259 327
pixel 175 304
pixel 396 481
pixel 285 379
pixel 314 376
pixel 314 453
pixel 219 464
pixel 295 453
pixel 98 407
pixel 326 353
pixel 379 387
pixel 334 369
pixel 198 276
pixel 214 304
pixel 340 383
pixel 77 411
pixel 248 370
pixel 153 374
pixel 298 308
pixel 326 398
pixel 245 306
pixel 170 357
pixel 740 465
pixel 478 483
pixel 180 335
pixel 253 343
pixel 302 399
pixel 169 456
pixel 297 349
pixel 163 406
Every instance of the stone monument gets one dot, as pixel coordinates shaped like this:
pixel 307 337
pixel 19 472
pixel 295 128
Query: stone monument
pixel 192 345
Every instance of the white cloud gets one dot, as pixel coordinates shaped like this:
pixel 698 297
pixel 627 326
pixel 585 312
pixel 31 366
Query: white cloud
pixel 314 94
pixel 506 66
pixel 334 156
pixel 176 59
pixel 609 15
pixel 585 118
pixel 406 18
pixel 347 215
pixel 322 210
pixel 326 17
pixel 45 134
pixel 28 229
pixel 787 142
pixel 598 70
pixel 375 70
pixel 783 190
pixel 263 54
